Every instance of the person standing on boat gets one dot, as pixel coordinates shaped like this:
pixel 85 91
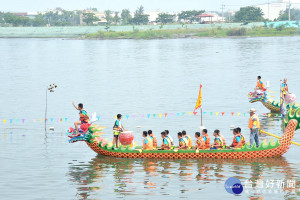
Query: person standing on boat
pixel 117 129
pixel 285 88
pixel 254 125
pixel 83 117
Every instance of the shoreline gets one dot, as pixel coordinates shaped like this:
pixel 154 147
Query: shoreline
pixel 194 33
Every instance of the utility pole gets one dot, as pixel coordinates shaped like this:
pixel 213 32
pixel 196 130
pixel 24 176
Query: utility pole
pixel 289 10
pixel 268 9
pixel 222 8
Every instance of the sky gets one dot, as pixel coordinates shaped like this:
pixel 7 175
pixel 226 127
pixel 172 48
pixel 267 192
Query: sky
pixel 118 5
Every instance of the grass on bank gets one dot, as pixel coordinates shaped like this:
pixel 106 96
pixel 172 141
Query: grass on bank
pixel 186 33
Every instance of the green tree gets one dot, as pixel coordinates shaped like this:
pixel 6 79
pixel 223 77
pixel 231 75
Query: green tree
pixel 165 18
pixel 249 14
pixel 38 21
pixel 108 16
pixel 140 17
pixel 89 18
pixel 190 15
pixel 116 18
pixel 284 15
pixel 126 16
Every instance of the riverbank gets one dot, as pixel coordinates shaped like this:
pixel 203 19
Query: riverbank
pixel 195 33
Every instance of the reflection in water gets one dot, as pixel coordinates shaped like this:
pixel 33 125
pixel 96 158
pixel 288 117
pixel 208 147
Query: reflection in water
pixel 116 177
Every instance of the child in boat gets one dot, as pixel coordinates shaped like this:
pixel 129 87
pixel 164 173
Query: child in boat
pixel 218 144
pixel 170 137
pixel 183 142
pixel 206 138
pixel 189 139
pixel 237 141
pixel 118 127
pixel 83 117
pixel 200 143
pixel 242 135
pixel 147 142
pixel 166 143
pixel 153 139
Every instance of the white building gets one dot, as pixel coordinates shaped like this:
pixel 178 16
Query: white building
pixel 272 9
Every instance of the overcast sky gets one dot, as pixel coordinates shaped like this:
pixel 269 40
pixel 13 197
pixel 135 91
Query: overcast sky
pixel 117 5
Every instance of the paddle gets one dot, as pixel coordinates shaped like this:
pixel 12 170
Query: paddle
pixel 277 137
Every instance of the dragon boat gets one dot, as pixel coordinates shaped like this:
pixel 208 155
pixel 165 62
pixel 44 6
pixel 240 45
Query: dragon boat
pixel 98 144
pixel 272 105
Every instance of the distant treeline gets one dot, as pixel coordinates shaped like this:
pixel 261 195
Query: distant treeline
pixel 139 17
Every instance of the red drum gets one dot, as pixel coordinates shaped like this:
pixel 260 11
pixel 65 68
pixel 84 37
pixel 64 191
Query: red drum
pixel 126 137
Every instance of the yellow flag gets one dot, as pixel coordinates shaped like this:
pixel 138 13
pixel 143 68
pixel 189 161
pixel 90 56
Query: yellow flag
pixel 199 100
pixel 159 115
pixel 238 114
pixel 217 113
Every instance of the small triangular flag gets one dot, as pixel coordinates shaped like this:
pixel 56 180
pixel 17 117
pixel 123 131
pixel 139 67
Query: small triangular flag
pixel 159 115
pixel 166 114
pixel 223 113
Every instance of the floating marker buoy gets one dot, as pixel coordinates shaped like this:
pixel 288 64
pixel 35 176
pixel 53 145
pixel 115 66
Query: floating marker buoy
pixel 51 128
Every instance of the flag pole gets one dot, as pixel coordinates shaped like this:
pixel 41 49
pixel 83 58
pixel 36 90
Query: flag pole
pixel 201 117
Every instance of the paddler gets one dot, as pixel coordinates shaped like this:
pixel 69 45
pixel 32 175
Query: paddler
pixel 170 137
pixel 254 125
pixel 237 141
pixel 189 139
pixel 183 142
pixel 218 143
pixel 200 143
pixel 166 143
pixel 206 138
pixel 151 135
pixel 147 142
pixel 117 129
pixel 83 117
pixel 242 135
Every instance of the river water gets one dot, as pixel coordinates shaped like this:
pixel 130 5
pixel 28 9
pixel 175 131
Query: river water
pixel 137 78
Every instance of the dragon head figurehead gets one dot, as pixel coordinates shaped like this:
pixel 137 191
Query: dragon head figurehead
pixel 253 98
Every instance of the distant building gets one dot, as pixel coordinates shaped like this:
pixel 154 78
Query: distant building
pixel 206 18
pixel 272 10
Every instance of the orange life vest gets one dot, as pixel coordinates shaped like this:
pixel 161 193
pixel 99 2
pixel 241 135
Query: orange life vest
pixel 235 142
pixel 256 123
pixel 190 142
pixel 207 142
pixel 200 143
pixel 149 145
pixel 154 141
pixel 83 118
pixel 260 84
